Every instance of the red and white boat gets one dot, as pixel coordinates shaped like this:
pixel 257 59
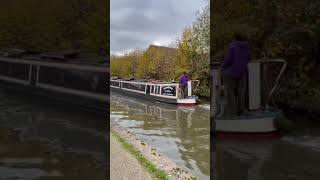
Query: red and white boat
pixel 261 118
pixel 167 92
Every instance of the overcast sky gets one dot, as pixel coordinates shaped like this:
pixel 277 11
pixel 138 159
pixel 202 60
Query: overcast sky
pixel 139 23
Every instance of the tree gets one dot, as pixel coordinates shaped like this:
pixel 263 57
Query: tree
pixel 276 29
pixel 42 25
pixel 190 54
pixel 193 50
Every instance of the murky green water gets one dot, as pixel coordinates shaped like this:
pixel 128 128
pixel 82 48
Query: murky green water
pixel 41 141
pixel 295 156
pixel 180 133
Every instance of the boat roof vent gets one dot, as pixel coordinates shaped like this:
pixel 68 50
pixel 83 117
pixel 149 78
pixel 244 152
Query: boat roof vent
pixel 61 55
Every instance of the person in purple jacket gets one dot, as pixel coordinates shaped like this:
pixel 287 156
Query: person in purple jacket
pixel 183 84
pixel 234 74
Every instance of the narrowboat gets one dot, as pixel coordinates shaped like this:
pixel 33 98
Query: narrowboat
pixel 261 117
pixel 75 77
pixel 166 92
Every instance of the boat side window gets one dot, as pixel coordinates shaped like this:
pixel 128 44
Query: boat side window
pixel 152 89
pixel 142 87
pixel 136 87
pixel 125 85
pixel 15 70
pixel 4 68
pixel 51 75
pixel 157 90
pixel 115 83
pixel 83 80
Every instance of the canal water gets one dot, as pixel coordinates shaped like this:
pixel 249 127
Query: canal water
pixel 295 156
pixel 39 140
pixel 180 133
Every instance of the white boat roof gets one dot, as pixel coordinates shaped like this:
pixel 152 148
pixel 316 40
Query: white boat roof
pixel 148 81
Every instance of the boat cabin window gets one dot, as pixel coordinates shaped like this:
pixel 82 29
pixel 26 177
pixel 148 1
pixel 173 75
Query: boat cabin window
pixel 115 83
pixel 152 89
pixel 83 80
pixel 15 70
pixel 134 86
pixel 157 90
pixel 168 90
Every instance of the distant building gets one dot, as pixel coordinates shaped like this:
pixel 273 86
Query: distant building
pixel 162 49
pixel 167 54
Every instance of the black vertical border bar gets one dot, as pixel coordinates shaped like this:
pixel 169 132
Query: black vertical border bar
pixel 108 91
pixel 213 173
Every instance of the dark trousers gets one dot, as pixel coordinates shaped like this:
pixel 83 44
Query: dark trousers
pixel 183 91
pixel 234 92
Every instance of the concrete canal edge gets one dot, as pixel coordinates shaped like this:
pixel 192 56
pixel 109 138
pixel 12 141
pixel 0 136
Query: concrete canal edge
pixel 161 162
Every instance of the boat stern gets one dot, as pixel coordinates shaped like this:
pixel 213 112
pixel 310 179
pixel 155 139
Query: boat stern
pixel 259 124
pixel 189 101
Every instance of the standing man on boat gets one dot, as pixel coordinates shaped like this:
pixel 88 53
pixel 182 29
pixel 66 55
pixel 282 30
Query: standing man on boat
pixel 234 74
pixel 183 84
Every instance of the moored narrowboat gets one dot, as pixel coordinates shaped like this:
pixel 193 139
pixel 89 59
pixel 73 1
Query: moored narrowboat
pixel 166 92
pixel 75 77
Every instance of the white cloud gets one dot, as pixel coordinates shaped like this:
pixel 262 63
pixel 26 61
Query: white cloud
pixel 139 23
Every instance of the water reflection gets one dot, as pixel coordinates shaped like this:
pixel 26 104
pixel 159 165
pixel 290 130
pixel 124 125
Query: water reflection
pixel 181 133
pixel 40 141
pixel 289 158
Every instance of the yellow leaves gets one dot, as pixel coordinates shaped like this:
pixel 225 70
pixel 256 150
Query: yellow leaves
pixel 48 25
pixel 126 65
pixel 191 56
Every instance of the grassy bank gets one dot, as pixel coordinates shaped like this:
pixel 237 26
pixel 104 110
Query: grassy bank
pixel 156 173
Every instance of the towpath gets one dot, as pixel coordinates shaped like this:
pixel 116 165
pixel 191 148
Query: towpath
pixel 123 166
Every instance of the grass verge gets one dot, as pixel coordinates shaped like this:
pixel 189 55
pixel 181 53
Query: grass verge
pixel 156 173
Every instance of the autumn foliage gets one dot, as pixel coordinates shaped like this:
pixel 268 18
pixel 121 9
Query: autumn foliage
pixel 283 29
pixel 190 54
pixel 46 25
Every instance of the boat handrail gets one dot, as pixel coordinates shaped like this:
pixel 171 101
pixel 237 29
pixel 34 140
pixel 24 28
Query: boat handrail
pixel 278 77
pixel 196 88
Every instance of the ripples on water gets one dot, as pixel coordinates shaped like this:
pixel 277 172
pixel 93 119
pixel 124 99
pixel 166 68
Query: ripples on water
pixel 42 141
pixel 296 156
pixel 180 133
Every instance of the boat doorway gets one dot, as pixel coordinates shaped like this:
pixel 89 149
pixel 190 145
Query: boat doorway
pixel 148 89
